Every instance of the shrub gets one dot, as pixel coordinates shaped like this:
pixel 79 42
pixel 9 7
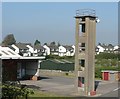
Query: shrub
pixel 107 56
pixel 12 91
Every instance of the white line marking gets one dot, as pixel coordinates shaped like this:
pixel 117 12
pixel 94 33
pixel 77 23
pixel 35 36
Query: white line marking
pixel 116 89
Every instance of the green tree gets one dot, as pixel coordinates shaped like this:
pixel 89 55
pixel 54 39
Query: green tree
pixel 37 42
pixel 45 44
pixel 52 43
pixel 114 62
pixel 58 44
pixel 9 40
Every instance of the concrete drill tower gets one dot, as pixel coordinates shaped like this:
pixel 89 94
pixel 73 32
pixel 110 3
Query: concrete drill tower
pixel 85 50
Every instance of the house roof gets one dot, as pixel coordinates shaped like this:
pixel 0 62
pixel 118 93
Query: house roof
pixel 97 47
pixel 22 45
pixel 53 47
pixel 39 47
pixel 109 46
pixel 117 50
pixel 104 46
pixel 68 47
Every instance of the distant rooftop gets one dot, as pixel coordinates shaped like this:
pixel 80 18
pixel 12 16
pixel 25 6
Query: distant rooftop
pixel 85 12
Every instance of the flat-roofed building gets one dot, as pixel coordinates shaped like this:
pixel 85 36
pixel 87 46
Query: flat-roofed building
pixel 16 67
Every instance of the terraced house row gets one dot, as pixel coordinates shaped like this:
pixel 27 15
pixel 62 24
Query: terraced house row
pixel 27 49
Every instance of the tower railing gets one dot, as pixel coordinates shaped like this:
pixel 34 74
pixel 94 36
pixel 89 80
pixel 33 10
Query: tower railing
pixel 85 12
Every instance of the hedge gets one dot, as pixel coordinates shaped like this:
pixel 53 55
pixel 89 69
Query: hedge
pixel 51 65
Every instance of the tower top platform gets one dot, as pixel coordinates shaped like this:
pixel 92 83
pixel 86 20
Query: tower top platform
pixel 85 13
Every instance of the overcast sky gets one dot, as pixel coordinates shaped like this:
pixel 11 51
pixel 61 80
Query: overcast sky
pixel 49 22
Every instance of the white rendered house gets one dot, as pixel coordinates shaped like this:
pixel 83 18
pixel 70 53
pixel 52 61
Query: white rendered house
pixel 47 50
pixel 62 51
pixel 101 49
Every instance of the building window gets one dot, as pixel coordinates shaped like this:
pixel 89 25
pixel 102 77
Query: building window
pixel 82 62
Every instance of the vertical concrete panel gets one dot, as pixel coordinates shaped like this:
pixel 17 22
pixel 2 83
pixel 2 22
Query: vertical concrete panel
pixel 76 55
pixel 90 55
pixel 86 55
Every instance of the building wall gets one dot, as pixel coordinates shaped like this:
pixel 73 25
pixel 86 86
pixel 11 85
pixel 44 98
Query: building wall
pixel 101 49
pixel 27 68
pixel 9 70
pixel 31 67
pixel 117 76
pixel 30 49
pixel 47 50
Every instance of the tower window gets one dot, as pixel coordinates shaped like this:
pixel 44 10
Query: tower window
pixel 82 62
pixel 83 28
pixel 82 44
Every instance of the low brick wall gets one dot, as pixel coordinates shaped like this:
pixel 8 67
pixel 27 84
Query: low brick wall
pixel 55 73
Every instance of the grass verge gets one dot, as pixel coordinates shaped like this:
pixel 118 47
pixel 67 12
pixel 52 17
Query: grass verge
pixel 38 93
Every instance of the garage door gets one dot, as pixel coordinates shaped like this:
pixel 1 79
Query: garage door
pixel 106 76
pixel 112 77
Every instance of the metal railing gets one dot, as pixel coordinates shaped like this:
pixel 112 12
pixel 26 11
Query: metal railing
pixel 85 12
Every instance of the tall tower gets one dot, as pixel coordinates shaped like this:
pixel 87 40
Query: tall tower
pixel 85 50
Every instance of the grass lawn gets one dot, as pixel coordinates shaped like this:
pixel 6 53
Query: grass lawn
pixel 38 93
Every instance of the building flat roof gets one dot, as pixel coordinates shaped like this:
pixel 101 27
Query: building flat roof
pixel 7 53
pixel 37 58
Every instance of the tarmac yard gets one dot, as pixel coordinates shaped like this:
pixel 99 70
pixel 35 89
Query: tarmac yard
pixel 64 86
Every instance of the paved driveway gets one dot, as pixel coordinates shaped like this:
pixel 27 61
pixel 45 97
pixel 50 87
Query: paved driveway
pixel 59 85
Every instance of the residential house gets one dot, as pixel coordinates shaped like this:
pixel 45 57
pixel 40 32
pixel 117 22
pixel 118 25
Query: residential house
pixel 30 49
pixel 97 50
pixel 69 50
pixel 116 47
pixel 39 50
pixel 110 48
pixel 117 51
pixel 53 49
pixel 66 50
pixel 105 48
pixel 47 50
pixel 22 49
pixel 100 49
pixel 73 46
pixel 62 51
